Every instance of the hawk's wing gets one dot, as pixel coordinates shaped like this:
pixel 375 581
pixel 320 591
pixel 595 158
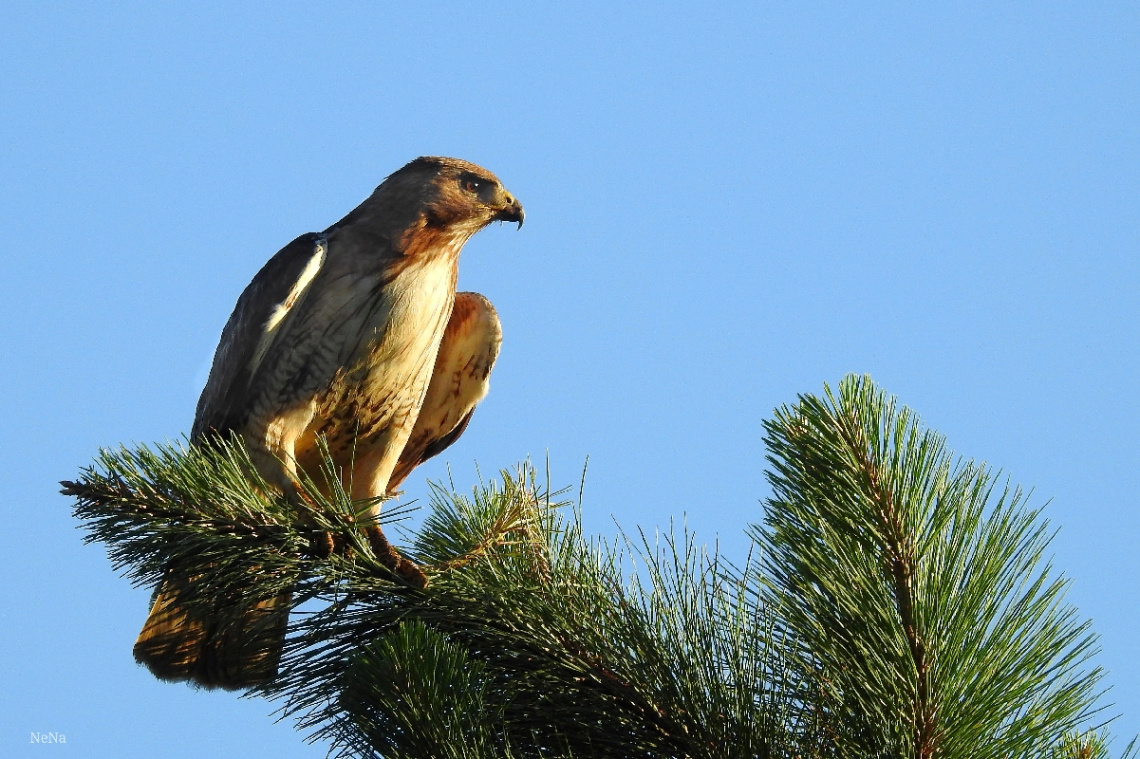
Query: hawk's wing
pixel 260 316
pixel 459 381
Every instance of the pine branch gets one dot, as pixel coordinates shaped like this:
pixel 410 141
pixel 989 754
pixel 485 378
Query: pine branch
pixel 902 606
pixel 923 602
pixel 564 655
pixel 205 510
pixel 574 659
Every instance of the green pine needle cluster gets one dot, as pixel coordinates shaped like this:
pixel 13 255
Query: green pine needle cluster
pixel 902 605
pixel 917 589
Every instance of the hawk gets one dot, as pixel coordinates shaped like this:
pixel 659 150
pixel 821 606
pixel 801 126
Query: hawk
pixel 355 335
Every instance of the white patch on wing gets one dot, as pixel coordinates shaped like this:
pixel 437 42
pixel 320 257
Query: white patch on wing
pixel 284 307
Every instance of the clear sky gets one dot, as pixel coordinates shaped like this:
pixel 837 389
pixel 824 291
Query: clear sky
pixel 727 205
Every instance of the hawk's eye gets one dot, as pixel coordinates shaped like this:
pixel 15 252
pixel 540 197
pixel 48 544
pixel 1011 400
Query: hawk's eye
pixel 471 184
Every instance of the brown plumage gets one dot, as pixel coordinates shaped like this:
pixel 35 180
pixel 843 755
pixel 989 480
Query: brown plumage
pixel 355 334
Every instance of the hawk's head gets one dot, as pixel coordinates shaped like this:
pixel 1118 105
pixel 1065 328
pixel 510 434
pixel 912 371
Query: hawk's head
pixel 437 194
pixel 459 192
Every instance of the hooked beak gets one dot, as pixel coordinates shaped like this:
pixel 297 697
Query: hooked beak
pixel 512 210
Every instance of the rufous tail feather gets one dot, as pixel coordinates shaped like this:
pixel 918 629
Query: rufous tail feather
pixel 176 646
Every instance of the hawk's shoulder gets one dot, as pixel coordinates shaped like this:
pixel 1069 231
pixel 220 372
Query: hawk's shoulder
pixel 257 319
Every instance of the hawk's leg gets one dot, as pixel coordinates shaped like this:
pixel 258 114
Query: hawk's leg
pixel 370 473
pixel 273 448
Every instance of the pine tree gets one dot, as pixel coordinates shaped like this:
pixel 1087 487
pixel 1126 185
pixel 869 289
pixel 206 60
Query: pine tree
pixel 901 606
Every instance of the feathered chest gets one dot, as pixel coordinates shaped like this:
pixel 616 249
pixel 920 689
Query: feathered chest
pixel 399 321
pixel 415 305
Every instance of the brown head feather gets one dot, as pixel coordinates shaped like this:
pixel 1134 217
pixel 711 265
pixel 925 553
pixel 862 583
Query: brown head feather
pixel 434 193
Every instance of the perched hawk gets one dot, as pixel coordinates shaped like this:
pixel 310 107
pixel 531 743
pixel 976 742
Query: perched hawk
pixel 355 334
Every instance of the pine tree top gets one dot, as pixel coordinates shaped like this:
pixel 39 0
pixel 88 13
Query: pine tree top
pixel 902 606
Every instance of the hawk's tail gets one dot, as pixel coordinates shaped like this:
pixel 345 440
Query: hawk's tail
pixel 176 646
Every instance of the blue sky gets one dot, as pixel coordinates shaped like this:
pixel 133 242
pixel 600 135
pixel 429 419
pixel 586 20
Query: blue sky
pixel 726 206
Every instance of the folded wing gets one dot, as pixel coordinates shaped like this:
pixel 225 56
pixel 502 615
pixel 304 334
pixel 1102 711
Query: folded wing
pixel 261 316
pixel 459 381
